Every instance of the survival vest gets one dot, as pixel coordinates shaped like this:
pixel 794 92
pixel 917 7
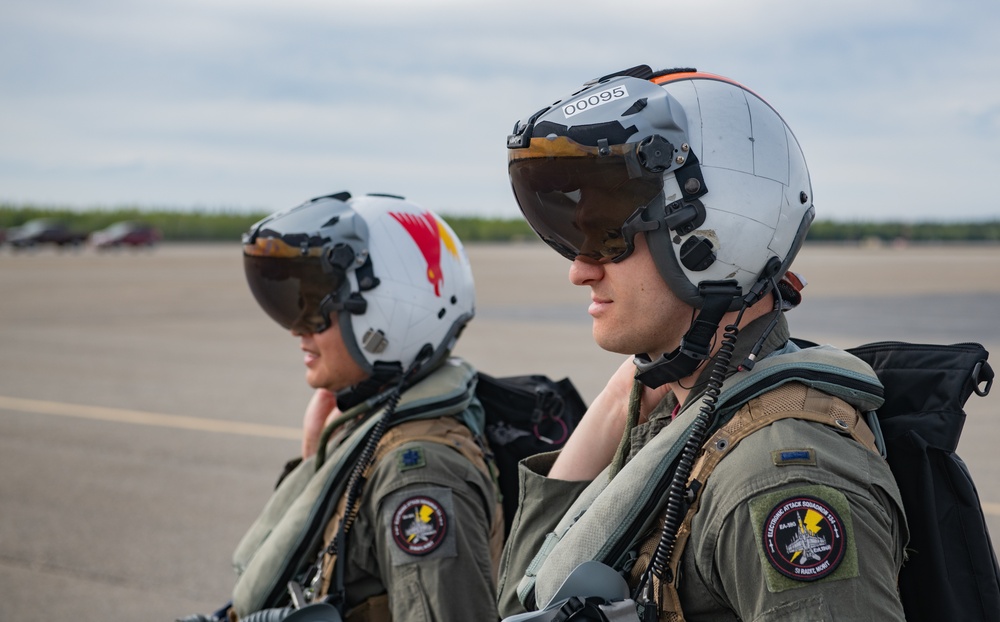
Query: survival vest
pixel 443 430
pixel 789 401
pixel 520 415
pixel 283 542
pixel 826 386
pixel 607 520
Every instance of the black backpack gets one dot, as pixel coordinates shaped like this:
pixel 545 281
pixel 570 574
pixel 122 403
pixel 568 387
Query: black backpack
pixel 951 572
pixel 525 415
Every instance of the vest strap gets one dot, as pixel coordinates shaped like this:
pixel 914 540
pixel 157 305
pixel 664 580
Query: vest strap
pixel 446 431
pixel 789 401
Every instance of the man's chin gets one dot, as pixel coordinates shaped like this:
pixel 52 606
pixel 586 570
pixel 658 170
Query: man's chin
pixel 314 382
pixel 610 343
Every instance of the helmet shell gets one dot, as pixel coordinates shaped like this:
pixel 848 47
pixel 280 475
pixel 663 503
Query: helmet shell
pixel 755 187
pixel 406 290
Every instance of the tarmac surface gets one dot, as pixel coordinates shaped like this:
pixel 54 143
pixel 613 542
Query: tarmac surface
pixel 147 404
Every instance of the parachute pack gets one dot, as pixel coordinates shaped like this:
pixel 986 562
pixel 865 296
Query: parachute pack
pixel 525 415
pixel 951 572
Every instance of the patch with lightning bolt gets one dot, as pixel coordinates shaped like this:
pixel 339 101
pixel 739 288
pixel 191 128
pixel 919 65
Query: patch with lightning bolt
pixel 419 522
pixel 804 535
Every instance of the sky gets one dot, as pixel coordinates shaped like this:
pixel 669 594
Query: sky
pixel 260 105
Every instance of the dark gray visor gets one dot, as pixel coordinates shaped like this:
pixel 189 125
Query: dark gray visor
pixel 295 291
pixel 577 199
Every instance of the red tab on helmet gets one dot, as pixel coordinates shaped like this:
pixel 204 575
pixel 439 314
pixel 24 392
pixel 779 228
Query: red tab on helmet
pixel 426 233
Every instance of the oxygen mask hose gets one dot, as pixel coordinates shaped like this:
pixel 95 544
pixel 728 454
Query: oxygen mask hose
pixel 356 482
pixel 678 495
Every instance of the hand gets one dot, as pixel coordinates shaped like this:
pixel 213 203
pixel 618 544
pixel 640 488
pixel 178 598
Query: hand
pixel 322 409
pixel 592 445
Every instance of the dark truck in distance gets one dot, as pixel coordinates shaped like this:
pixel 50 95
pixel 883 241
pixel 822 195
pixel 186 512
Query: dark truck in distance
pixel 44 231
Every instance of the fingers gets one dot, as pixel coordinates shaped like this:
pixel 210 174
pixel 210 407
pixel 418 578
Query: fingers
pixel 322 408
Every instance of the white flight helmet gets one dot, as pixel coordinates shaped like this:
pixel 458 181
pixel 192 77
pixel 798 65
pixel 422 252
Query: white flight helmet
pixel 392 275
pixel 701 165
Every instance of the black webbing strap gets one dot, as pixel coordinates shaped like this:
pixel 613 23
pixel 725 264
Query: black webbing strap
pixel 696 345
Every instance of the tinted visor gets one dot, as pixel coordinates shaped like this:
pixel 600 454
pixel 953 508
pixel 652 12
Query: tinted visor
pixel 576 200
pixel 293 289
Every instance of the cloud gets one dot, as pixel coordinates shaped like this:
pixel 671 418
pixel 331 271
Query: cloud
pixel 263 104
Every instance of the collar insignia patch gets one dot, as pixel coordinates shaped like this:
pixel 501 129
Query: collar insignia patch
pixel 411 458
pixel 785 457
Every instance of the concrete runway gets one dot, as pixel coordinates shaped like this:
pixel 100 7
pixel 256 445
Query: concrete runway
pixel 147 404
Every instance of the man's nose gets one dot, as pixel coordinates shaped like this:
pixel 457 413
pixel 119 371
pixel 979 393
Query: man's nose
pixel 584 270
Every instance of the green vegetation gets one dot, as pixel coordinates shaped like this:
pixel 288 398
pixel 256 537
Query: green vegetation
pixel 189 226
pixel 229 225
pixel 472 229
pixel 983 231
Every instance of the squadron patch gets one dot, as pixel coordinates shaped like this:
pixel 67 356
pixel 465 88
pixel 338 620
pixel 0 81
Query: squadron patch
pixel 421 524
pixel 804 535
pixel 803 538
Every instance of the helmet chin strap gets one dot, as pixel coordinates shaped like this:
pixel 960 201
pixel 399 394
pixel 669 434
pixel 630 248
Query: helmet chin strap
pixel 384 374
pixel 696 345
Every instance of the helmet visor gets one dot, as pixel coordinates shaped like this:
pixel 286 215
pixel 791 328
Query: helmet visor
pixel 291 288
pixel 578 200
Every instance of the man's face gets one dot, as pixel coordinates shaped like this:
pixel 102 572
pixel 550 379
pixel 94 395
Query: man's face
pixel 328 363
pixel 633 309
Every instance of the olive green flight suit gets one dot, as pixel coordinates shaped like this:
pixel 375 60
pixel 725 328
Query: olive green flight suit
pixel 790 482
pixel 427 529
pixel 428 533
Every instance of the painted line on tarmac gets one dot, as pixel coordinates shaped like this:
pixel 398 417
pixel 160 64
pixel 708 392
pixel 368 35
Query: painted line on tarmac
pixel 181 422
pixel 138 417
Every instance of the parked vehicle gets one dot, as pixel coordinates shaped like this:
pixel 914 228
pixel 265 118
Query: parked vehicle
pixel 126 233
pixel 44 231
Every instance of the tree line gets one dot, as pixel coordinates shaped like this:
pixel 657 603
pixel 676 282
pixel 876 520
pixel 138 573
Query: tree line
pixel 204 225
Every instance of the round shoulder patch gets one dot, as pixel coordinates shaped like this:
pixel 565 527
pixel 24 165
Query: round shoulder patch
pixel 419 525
pixel 804 538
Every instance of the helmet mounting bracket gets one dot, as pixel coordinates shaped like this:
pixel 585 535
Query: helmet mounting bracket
pixel 696 345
